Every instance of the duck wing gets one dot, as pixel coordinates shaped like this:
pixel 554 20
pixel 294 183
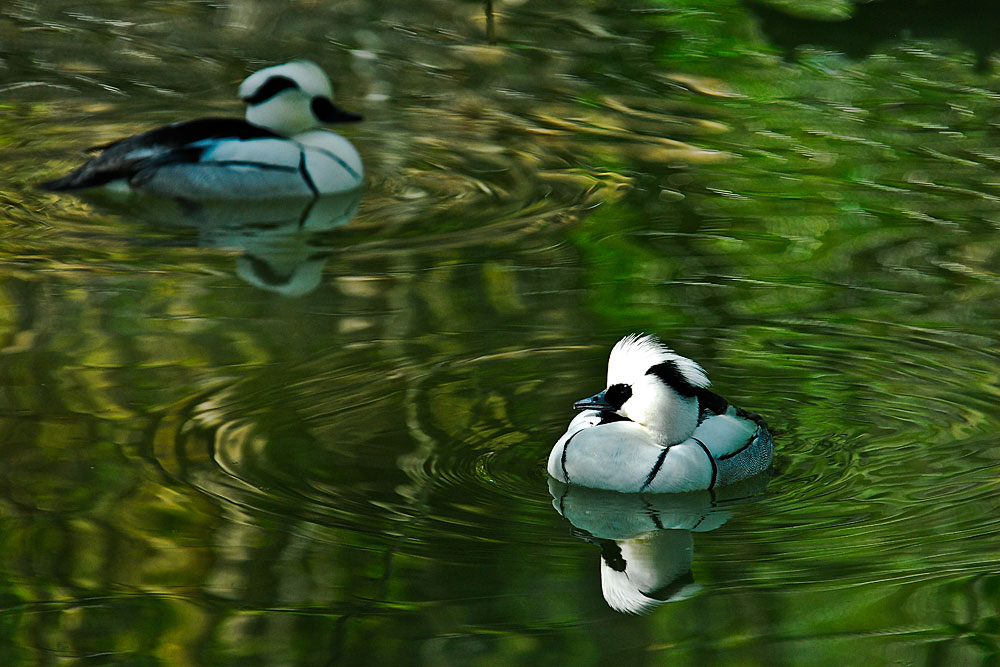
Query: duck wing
pixel 725 435
pixel 183 142
pixel 739 442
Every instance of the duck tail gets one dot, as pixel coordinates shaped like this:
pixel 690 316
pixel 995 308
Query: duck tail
pixel 84 176
pixel 67 182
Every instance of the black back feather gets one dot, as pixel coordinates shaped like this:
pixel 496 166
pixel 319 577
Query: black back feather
pixel 170 144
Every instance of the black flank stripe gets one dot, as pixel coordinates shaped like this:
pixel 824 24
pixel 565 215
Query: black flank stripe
pixel 563 459
pixel 740 450
pixel 336 158
pixel 256 165
pixel 711 459
pixel 653 515
pixel 305 215
pixel 656 469
pixel 271 87
pixel 305 174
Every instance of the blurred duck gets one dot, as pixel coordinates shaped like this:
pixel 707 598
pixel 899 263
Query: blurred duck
pixel 658 429
pixel 276 152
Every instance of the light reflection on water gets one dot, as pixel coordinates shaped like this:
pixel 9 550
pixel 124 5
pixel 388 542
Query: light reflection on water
pixel 356 474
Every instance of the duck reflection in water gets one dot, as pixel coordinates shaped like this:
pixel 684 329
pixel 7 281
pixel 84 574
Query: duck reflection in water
pixel 646 541
pixel 284 244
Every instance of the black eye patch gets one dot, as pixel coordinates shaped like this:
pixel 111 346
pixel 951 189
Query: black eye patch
pixel 617 394
pixel 271 87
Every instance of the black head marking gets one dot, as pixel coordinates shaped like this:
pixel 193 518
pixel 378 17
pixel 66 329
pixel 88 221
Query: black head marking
pixel 271 87
pixel 617 394
pixel 709 403
pixel 673 378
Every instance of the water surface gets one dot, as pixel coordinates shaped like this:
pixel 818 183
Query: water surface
pixel 207 462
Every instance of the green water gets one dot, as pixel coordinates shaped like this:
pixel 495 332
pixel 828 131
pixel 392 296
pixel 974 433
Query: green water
pixel 198 467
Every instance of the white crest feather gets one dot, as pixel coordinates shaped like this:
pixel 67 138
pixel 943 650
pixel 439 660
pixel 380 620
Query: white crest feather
pixel 634 354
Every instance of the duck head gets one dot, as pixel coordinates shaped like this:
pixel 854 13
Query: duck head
pixel 652 385
pixel 291 98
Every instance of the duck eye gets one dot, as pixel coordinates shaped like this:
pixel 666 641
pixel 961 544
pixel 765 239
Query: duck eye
pixel 617 394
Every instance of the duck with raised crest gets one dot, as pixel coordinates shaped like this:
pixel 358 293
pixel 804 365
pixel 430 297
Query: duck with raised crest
pixel 657 428
pixel 276 152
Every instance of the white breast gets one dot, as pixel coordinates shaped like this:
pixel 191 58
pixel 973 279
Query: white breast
pixel 621 456
pixel 331 161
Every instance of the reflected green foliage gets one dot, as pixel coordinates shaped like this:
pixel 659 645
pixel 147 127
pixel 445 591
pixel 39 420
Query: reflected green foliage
pixel 198 472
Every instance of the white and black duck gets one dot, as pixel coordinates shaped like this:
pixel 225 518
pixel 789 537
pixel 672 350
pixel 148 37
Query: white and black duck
pixel 657 428
pixel 277 151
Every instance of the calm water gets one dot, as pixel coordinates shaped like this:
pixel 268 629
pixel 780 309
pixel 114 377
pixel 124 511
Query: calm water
pixel 324 443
